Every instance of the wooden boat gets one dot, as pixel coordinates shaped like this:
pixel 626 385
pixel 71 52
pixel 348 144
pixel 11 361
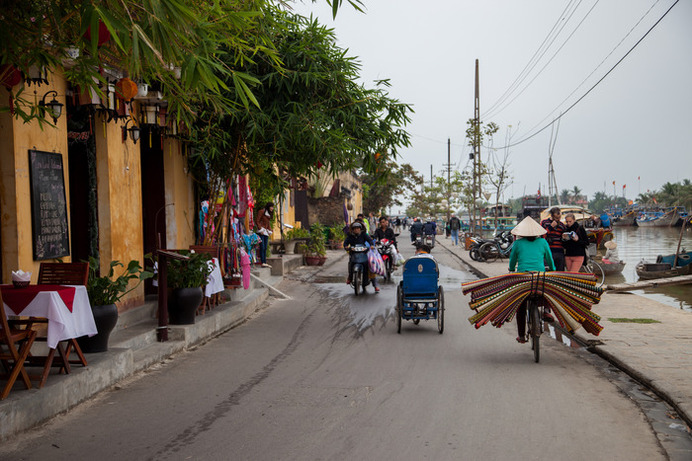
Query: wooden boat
pixel 614 268
pixel 648 271
pixel 684 258
pixel 668 219
pixel 629 219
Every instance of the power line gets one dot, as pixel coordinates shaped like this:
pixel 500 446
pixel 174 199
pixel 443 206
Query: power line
pixel 598 82
pixel 533 61
pixel 549 61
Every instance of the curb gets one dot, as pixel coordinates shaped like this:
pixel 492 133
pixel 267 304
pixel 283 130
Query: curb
pixel 30 408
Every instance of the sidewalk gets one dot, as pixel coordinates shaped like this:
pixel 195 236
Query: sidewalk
pixel 133 348
pixel 656 354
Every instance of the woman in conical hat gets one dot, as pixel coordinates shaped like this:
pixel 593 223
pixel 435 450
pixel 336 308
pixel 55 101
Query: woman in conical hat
pixel 529 254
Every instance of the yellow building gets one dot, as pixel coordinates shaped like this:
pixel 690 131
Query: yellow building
pixel 110 194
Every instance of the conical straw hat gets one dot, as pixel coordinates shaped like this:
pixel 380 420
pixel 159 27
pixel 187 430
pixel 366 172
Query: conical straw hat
pixel 528 227
pixel 610 245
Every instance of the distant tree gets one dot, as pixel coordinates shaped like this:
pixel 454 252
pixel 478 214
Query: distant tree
pixel 388 185
pixel 564 196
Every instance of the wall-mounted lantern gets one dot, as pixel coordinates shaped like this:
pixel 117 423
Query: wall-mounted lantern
pixel 133 131
pixel 53 107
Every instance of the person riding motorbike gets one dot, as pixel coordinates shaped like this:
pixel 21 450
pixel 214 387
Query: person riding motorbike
pixel 430 228
pixel 416 229
pixel 358 236
pixel 385 232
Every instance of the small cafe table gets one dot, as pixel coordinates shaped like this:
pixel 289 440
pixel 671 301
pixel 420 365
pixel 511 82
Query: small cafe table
pixel 66 307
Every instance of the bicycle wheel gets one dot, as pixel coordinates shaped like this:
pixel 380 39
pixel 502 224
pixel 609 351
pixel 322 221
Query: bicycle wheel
pixel 399 308
pixel 489 252
pixel 535 329
pixel 441 310
pixel 595 269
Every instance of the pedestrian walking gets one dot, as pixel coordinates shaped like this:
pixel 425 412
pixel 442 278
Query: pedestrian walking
pixel 454 227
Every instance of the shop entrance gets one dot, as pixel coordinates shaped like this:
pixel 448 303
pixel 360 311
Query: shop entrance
pixel 153 194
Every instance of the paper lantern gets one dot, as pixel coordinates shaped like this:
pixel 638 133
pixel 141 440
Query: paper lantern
pixel 9 76
pixel 104 34
pixel 125 89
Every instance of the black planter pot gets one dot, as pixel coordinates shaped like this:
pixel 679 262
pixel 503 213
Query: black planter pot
pixel 105 317
pixel 182 305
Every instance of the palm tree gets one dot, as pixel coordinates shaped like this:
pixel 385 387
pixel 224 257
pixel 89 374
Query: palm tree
pixel 564 196
pixel 575 194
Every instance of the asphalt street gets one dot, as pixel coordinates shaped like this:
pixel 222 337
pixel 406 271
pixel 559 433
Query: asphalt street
pixel 324 375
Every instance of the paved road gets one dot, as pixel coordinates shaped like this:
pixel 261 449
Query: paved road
pixel 325 376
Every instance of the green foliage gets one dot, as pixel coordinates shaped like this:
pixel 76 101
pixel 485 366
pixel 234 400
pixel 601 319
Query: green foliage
pixel 149 39
pixel 189 273
pixel 316 244
pixel 390 182
pixel 297 233
pixel 312 111
pixel 337 233
pixel 106 290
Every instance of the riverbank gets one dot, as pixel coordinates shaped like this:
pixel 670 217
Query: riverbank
pixel 655 353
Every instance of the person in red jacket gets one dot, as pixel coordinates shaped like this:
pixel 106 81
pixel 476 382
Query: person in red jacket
pixel 555 229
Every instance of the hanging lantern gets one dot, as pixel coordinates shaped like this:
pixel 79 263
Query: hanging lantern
pixel 9 76
pixel 104 34
pixel 125 89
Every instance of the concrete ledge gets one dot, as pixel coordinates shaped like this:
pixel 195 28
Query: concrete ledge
pixel 133 348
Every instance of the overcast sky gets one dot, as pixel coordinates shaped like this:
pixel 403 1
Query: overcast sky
pixel 636 123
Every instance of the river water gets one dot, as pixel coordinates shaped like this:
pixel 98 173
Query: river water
pixel 646 243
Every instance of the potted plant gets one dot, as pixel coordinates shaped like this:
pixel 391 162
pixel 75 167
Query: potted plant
pixel 293 236
pixel 186 277
pixel 315 249
pixel 336 237
pixel 104 291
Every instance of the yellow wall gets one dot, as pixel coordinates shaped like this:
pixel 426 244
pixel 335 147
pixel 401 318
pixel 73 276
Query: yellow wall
pixel 16 138
pixel 180 218
pixel 118 172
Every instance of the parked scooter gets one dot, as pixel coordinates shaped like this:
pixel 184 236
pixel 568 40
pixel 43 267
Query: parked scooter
pixel 504 238
pixel 497 248
pixel 358 256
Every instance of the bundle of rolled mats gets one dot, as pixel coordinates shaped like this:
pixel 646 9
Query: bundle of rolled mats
pixel 569 295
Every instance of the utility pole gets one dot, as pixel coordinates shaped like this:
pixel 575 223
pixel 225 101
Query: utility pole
pixel 449 172
pixel 476 150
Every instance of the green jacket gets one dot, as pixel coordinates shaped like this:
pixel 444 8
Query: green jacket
pixel 530 255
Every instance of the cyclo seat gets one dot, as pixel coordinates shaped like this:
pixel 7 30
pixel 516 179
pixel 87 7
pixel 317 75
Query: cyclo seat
pixel 420 277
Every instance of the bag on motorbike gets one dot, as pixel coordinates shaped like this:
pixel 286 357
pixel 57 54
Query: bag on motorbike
pixel 375 262
pixel 398 259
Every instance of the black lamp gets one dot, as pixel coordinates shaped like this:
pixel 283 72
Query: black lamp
pixel 133 131
pixel 54 107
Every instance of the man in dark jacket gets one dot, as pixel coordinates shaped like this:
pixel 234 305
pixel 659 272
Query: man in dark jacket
pixel 430 228
pixel 358 236
pixel 555 230
pixel 416 229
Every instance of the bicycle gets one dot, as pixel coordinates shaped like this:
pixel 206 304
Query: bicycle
pixel 589 267
pixel 534 325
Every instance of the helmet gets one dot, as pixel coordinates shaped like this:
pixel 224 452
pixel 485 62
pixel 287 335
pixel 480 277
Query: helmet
pixel 356 225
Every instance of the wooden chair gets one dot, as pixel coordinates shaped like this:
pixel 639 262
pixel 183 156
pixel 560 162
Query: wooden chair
pixel 59 274
pixel 18 343
pixel 213 252
pixel 63 274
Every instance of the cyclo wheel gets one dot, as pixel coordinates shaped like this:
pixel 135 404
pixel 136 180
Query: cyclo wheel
pixel 441 310
pixel 489 251
pixel 357 276
pixel 399 308
pixel 535 329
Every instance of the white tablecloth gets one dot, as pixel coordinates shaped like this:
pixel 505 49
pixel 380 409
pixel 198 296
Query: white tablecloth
pixel 62 324
pixel 214 280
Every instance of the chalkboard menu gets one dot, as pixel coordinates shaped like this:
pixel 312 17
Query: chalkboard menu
pixel 48 206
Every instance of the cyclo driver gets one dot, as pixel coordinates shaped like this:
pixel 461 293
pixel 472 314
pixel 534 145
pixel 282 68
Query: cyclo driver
pixel 358 236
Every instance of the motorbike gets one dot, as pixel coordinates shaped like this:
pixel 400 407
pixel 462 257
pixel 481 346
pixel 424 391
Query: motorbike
pixel 504 238
pixel 496 248
pixel 429 240
pixel 387 250
pixel 358 256
pixel 419 240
